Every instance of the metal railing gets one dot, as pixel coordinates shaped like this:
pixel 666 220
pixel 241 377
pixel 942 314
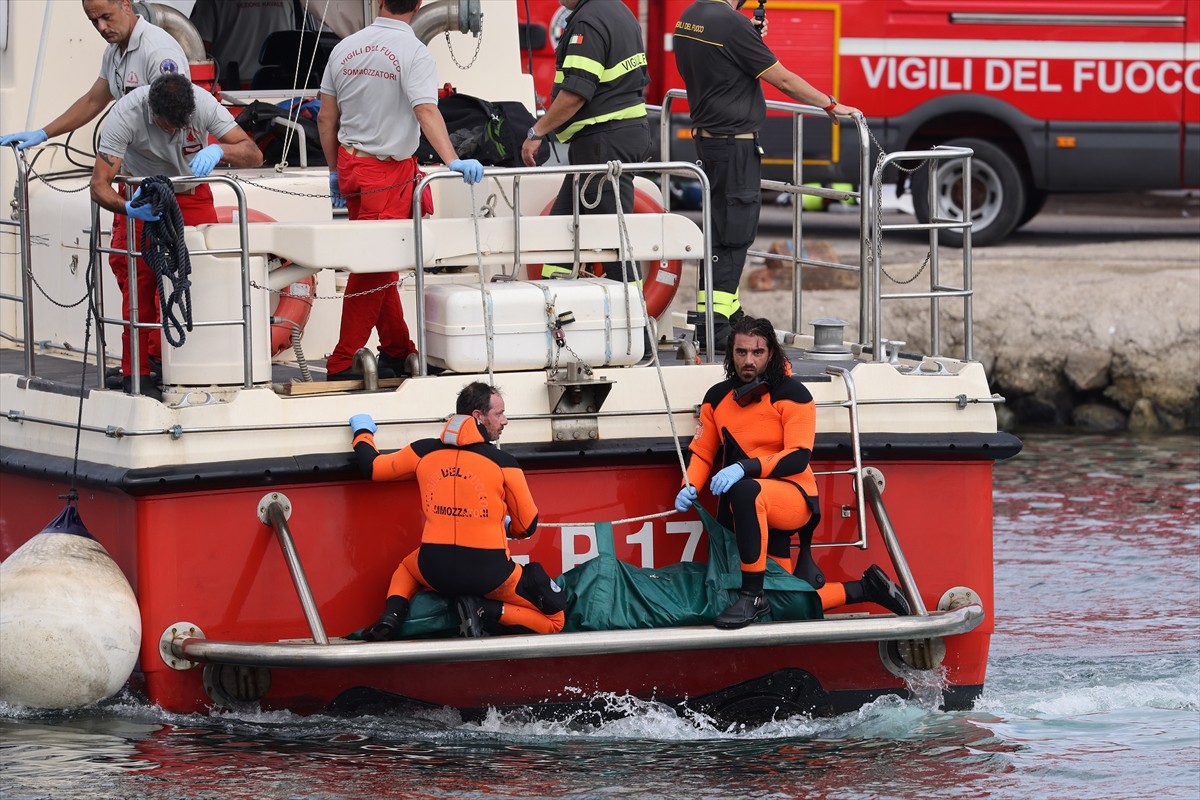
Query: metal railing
pixel 668 168
pixel 870 221
pixel 131 252
pixel 21 223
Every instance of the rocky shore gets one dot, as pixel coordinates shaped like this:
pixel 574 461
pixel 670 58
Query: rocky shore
pixel 1087 317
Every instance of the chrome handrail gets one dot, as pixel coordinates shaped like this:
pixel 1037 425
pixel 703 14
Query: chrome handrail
pixel 21 223
pixel 831 630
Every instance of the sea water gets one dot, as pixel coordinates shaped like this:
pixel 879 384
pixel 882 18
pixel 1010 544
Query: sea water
pixel 1093 691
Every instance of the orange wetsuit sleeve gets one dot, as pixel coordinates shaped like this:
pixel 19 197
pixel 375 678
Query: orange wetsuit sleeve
pixel 519 501
pixel 705 444
pixel 398 466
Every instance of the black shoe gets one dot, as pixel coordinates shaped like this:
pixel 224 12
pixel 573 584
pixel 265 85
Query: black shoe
pixel 470 615
pixel 149 386
pixel 880 589
pixel 350 375
pixel 748 607
pixel 721 331
pixel 385 629
pixel 401 367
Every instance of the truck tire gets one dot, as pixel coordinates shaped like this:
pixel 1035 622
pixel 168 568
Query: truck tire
pixel 997 188
pixel 1035 201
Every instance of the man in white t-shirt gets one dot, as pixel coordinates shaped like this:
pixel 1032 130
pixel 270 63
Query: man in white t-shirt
pixel 137 53
pixel 161 129
pixel 234 31
pixel 378 95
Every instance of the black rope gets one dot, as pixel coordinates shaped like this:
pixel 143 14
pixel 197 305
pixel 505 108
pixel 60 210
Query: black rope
pixel 164 251
pixel 90 279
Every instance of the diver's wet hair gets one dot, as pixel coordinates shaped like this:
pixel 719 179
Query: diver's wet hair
pixel 776 369
pixel 172 99
pixel 475 396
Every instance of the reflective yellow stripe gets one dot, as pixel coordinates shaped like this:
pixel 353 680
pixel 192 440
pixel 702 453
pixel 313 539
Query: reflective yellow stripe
pixel 627 66
pixel 553 270
pixel 724 303
pixel 588 65
pixel 633 112
pixel 593 67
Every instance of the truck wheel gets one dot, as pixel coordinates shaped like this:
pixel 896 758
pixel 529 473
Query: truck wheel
pixel 997 194
pixel 1035 201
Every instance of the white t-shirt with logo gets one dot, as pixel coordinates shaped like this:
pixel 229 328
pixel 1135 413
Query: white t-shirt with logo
pixel 378 75
pixel 151 52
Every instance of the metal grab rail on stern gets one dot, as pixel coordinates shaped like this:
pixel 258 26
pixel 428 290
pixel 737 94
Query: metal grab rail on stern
pixel 344 653
pixel 868 490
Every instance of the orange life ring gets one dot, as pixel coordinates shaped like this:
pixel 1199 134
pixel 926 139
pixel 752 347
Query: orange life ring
pixel 660 279
pixel 294 303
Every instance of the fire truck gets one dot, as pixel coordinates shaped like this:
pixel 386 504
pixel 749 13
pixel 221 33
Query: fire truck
pixel 1053 96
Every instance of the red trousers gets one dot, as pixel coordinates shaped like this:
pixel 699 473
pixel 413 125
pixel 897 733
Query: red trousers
pixel 364 181
pixel 197 209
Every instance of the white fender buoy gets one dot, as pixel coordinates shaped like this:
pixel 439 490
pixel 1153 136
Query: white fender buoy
pixel 69 622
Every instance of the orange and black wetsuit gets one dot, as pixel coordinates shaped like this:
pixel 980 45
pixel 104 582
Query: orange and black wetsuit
pixel 771 437
pixel 468 485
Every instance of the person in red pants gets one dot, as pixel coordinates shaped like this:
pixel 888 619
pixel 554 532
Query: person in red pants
pixel 161 129
pixel 378 94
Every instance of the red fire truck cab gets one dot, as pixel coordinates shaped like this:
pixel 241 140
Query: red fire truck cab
pixel 1052 96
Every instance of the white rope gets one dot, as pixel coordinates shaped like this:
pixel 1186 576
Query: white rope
pixel 488 333
pixel 293 112
pixel 621 521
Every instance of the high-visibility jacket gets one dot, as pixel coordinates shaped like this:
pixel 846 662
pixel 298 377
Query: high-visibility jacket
pixel 600 57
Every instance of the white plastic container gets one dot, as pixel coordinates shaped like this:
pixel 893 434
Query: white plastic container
pixel 520 317
pixel 211 355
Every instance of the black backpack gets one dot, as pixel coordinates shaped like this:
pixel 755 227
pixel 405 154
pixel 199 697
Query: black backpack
pixel 258 120
pixel 491 133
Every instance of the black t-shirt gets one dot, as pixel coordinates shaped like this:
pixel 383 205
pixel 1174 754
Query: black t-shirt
pixel 721 58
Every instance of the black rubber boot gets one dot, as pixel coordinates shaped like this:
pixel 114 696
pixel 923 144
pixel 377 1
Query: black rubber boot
pixel 470 616
pixel 748 607
pixel 807 569
pixel 878 588
pixel 388 626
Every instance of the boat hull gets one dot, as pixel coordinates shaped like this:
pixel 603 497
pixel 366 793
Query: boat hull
pixel 198 553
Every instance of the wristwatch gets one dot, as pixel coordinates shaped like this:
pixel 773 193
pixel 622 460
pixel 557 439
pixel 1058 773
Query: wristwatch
pixel 533 135
pixel 832 103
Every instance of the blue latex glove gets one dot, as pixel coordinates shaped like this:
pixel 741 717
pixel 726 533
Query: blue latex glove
pixel 472 170
pixel 203 162
pixel 144 212
pixel 335 192
pixel 363 422
pixel 685 498
pixel 508 525
pixel 24 139
pixel 726 478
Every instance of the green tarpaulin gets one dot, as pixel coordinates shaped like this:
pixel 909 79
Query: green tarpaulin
pixel 607 594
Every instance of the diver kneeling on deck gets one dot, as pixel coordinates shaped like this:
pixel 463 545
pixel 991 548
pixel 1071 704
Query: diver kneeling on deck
pixel 764 421
pixel 473 496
